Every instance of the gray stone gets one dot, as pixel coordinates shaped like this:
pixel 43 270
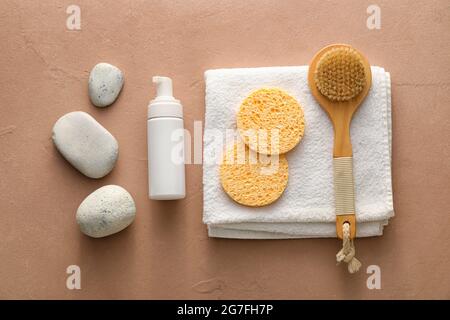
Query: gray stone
pixel 105 83
pixel 86 144
pixel 106 211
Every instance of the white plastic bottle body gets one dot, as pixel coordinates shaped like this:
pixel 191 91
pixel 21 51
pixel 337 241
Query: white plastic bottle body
pixel 166 158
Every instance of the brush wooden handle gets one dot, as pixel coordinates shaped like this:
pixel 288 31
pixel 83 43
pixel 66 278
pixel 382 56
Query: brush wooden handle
pixel 341 117
pixel 344 196
pixel 341 114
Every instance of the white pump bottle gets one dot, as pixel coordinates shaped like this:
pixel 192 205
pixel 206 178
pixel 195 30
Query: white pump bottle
pixel 165 139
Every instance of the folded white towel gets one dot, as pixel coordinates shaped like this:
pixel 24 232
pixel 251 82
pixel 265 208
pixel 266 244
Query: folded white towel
pixel 306 208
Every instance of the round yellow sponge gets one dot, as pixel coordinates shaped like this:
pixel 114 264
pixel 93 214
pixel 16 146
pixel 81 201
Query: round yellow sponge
pixel 340 74
pixel 250 180
pixel 270 121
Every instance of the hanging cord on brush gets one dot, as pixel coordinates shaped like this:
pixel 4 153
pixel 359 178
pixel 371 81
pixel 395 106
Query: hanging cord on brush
pixel 347 253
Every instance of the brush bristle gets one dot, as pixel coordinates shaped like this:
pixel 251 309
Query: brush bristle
pixel 340 74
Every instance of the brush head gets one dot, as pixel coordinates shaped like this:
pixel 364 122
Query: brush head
pixel 340 74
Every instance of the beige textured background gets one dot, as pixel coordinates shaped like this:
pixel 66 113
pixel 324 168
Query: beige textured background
pixel 166 253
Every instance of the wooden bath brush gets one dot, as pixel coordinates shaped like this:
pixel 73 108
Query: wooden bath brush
pixel 340 78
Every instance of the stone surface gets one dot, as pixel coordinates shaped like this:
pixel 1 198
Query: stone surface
pixel 105 84
pixel 106 211
pixel 86 144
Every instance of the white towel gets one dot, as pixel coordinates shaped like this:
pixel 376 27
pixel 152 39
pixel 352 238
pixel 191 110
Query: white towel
pixel 306 208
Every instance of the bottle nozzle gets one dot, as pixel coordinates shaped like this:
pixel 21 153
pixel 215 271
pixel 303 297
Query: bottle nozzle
pixel 163 87
pixel 164 104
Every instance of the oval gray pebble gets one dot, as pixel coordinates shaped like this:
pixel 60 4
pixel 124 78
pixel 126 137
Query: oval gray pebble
pixel 86 144
pixel 105 84
pixel 106 211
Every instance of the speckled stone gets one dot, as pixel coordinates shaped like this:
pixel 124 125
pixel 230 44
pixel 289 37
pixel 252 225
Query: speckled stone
pixel 105 84
pixel 106 211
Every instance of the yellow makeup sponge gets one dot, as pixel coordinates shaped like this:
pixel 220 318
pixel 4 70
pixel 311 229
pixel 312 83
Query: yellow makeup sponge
pixel 249 180
pixel 270 121
pixel 340 74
